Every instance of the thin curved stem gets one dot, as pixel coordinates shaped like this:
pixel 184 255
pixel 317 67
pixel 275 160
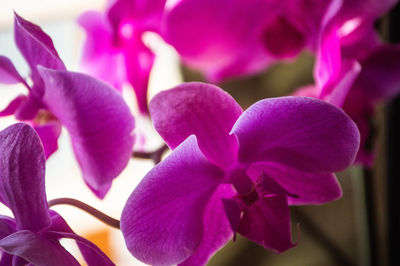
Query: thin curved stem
pixel 155 156
pixel 87 208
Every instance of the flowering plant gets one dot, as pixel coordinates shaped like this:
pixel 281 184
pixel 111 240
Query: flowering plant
pixel 230 171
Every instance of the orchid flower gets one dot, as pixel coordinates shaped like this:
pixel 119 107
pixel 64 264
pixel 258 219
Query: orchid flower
pixel 33 235
pixel 225 39
pixel 98 120
pixel 232 171
pixel 356 75
pixel 114 50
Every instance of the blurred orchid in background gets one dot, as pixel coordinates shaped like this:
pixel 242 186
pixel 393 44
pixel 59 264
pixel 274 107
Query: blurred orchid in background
pixel 98 120
pixel 114 50
pixel 233 172
pixel 33 235
pixel 356 77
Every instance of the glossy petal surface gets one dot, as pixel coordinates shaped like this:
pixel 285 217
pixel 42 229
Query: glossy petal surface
pixel 162 222
pixel 98 120
pixel 22 186
pixel 200 109
pixel 300 132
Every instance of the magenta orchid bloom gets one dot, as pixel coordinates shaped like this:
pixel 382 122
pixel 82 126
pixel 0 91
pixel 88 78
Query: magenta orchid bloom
pixel 225 38
pixel 114 50
pixel 98 120
pixel 354 70
pixel 33 235
pixel 233 171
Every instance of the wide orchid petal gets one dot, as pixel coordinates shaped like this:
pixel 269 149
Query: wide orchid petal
pixel 267 222
pixel 91 253
pixel 99 57
pixel 285 130
pixel 49 134
pixel 304 187
pixel 22 186
pixel 200 109
pixel 217 231
pixel 37 249
pixel 162 221
pixel 37 48
pixel 98 120
pixel 8 73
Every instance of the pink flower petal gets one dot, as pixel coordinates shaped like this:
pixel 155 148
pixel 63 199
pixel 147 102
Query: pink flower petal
pixel 98 120
pixel 162 221
pixel 22 186
pixel 300 132
pixel 201 109
pixel 36 47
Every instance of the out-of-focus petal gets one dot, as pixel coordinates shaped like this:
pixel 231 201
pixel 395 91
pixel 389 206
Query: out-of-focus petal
pixel 336 91
pixel 201 109
pixel 13 106
pixel 267 222
pixel 360 108
pixel 139 61
pixel 99 57
pixel 49 134
pixel 22 186
pixel 216 233
pixel 306 188
pixel 304 133
pixel 328 63
pixel 283 39
pixel 145 14
pixel 162 221
pixel 91 253
pixel 209 35
pixel 37 48
pixel 37 249
pixel 98 120
pixel 8 73
pixel 380 76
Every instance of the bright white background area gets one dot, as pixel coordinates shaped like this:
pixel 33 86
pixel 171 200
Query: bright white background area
pixel 63 176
